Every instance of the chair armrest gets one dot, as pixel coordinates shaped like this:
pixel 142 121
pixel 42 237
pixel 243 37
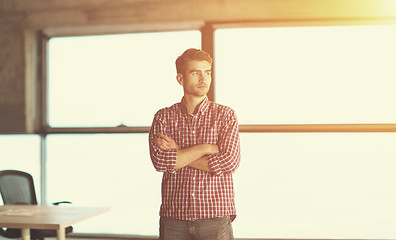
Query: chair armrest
pixel 61 202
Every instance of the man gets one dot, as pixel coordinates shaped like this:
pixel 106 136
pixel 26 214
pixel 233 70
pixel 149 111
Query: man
pixel 195 143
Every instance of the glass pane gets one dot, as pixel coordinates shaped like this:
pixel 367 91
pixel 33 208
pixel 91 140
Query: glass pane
pixel 112 170
pixel 316 186
pixel 287 75
pixel 22 153
pixel 114 79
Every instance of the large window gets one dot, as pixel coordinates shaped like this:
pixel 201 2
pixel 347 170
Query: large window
pixel 316 186
pixel 312 185
pixel 114 80
pixel 106 170
pixel 289 185
pixel 289 75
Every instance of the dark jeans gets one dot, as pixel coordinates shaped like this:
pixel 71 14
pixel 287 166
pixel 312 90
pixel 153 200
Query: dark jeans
pixel 204 229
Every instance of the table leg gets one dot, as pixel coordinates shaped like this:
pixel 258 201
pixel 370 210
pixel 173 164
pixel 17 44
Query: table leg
pixel 25 233
pixel 61 235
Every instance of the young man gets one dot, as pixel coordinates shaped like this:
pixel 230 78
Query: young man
pixel 195 143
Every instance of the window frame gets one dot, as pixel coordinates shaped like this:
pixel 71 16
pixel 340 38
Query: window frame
pixel 207 32
pixel 207 37
pixel 302 128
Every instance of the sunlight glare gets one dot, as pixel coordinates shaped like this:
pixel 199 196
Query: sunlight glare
pixel 308 74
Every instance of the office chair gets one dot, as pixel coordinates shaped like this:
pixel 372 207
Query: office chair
pixel 17 187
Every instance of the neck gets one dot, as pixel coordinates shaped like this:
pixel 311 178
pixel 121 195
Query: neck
pixel 192 103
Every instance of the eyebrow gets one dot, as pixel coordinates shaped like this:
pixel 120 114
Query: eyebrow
pixel 196 70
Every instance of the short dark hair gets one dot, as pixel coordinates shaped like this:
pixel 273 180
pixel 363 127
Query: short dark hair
pixel 191 55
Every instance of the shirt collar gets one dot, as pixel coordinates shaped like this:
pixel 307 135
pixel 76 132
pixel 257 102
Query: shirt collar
pixel 203 106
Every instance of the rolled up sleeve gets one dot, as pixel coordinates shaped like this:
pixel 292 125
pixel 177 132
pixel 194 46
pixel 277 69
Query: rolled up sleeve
pixel 163 161
pixel 228 160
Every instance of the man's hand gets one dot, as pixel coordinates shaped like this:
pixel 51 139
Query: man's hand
pixel 165 143
pixel 213 149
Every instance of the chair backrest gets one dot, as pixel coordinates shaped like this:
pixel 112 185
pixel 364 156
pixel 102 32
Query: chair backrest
pixel 17 187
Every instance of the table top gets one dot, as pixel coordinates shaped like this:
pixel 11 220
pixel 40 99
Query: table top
pixel 45 217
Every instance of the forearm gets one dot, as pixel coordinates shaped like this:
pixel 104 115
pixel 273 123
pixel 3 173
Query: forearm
pixel 228 160
pixel 201 164
pixel 190 155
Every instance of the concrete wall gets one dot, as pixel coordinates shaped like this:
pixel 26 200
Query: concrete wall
pixel 20 20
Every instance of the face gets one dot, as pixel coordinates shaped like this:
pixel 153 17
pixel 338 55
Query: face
pixel 196 79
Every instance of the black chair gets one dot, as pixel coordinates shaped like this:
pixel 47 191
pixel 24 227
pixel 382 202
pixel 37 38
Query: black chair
pixel 17 187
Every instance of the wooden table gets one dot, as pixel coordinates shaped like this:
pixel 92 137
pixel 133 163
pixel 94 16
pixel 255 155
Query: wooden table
pixel 28 217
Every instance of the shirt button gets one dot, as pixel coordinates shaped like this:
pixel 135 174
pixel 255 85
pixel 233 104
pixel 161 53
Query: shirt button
pixel 193 132
pixel 192 194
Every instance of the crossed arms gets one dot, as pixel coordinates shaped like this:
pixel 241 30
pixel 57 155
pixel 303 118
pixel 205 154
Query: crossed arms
pixel 220 158
pixel 194 156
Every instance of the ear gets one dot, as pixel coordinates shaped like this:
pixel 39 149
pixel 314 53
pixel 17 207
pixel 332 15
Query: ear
pixel 179 78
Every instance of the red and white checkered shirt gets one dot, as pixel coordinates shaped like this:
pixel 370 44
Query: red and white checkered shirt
pixel 188 193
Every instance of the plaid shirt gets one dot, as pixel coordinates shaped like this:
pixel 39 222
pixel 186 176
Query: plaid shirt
pixel 188 193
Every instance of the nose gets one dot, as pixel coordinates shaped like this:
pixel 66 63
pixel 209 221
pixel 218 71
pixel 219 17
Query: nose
pixel 201 77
